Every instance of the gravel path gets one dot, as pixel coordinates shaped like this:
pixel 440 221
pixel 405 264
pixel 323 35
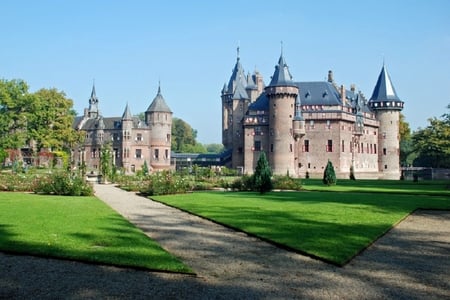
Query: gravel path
pixel 411 262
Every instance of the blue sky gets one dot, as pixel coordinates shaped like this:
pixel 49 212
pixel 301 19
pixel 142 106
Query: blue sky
pixel 190 47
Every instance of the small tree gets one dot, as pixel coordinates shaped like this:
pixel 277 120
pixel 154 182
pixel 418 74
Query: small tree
pixel 262 181
pixel 329 177
pixel 105 163
pixel 145 168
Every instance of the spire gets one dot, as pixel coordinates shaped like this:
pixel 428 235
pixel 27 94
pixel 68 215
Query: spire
pixel 93 98
pixel 281 76
pixel 127 114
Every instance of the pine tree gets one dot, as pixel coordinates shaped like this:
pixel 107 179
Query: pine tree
pixel 262 181
pixel 329 177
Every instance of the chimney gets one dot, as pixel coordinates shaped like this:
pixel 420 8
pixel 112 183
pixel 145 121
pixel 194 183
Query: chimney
pixel 330 76
pixel 353 87
pixel 343 96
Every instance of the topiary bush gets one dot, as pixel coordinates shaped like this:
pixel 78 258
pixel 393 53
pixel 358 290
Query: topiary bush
pixel 329 176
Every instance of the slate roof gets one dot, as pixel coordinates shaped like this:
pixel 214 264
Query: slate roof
pixel 318 93
pixel 384 90
pixel 237 75
pixel 281 76
pixel 159 104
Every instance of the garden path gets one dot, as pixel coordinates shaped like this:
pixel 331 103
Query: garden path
pixel 411 262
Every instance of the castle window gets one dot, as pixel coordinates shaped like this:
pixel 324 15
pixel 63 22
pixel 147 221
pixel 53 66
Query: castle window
pixel 257 145
pixel 126 135
pixel 290 147
pixel 367 148
pixel 115 137
pixel 328 124
pixel 93 153
pixel 311 124
pixel 375 148
pixel 343 146
pixel 385 166
pixel 156 154
pixel 271 147
pixel 167 138
pixel 139 137
pixel 362 147
pixel 166 154
pixel 257 130
pixel 138 153
pixel 116 152
pixel 306 146
pixel 329 147
pixel 384 151
pixel 117 124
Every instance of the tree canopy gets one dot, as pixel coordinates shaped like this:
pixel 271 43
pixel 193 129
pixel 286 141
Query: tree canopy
pixel 43 118
pixel 432 143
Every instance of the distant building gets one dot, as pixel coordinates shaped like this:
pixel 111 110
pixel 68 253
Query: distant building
pixel 302 125
pixel 133 141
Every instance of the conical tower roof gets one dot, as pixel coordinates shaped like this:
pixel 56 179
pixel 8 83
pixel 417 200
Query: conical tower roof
pixel 237 75
pixel 384 90
pixel 159 104
pixel 281 76
pixel 127 113
pixel 384 96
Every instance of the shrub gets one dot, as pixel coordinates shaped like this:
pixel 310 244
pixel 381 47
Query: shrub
pixel 286 183
pixel 243 183
pixel 61 183
pixel 164 183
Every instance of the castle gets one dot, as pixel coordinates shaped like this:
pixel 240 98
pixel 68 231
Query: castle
pixel 133 141
pixel 302 125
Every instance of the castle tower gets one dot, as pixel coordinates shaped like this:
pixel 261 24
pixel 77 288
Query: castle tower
pixel 159 118
pixel 235 101
pixel 387 106
pixel 127 128
pixel 282 93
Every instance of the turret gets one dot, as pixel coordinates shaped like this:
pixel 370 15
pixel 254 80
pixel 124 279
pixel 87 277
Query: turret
pixel 298 123
pixel 159 117
pixel 127 127
pixel 387 106
pixel 282 93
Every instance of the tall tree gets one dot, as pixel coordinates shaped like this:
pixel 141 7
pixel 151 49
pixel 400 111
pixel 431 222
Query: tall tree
pixel 14 99
pixel 50 120
pixel 183 137
pixel 262 181
pixel 433 143
pixel 44 118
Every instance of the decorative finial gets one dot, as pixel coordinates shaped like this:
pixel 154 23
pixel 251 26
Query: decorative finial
pixel 159 86
pixel 237 49
pixel 281 48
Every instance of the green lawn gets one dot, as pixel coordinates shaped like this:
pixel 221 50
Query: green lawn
pixel 332 226
pixel 77 228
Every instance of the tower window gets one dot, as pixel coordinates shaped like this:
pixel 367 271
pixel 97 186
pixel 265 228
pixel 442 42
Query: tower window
pixel 384 151
pixel 290 147
pixel 166 154
pixel 257 145
pixel 343 146
pixel 271 147
pixel 306 146
pixel 329 147
pixel 139 137
pixel 156 154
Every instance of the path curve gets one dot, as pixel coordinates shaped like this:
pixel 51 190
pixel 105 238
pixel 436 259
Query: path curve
pixel 411 262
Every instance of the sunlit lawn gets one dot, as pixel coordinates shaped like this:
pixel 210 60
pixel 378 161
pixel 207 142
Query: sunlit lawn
pixel 77 228
pixel 333 226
